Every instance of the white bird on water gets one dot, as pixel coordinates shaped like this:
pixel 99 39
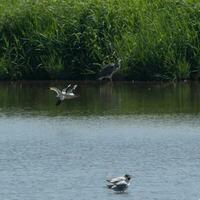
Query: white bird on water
pixel 66 93
pixel 119 184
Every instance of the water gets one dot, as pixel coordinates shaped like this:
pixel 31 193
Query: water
pixel 150 131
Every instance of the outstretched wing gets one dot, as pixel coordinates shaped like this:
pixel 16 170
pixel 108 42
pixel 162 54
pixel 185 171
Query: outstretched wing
pixel 75 86
pixel 58 92
pixel 65 89
pixel 71 90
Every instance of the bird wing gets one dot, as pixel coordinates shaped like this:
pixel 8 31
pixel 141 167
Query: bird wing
pixel 117 179
pixel 66 89
pixel 121 183
pixel 71 90
pixel 75 86
pixel 120 186
pixel 58 92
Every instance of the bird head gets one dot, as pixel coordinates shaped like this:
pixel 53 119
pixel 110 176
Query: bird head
pixel 128 177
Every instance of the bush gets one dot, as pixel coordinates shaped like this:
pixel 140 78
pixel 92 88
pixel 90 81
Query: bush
pixel 71 39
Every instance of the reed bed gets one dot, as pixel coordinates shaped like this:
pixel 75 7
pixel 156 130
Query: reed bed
pixel 72 39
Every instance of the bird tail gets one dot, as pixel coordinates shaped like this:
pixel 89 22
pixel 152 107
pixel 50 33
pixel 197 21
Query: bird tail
pixel 109 186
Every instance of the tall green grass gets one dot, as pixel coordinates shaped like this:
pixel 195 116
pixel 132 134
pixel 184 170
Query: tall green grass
pixel 71 39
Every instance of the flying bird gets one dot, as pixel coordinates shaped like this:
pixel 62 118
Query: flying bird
pixel 66 93
pixel 119 184
pixel 109 69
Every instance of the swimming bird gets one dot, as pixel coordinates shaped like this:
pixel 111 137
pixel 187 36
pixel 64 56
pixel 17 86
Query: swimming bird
pixel 120 178
pixel 109 69
pixel 119 184
pixel 66 93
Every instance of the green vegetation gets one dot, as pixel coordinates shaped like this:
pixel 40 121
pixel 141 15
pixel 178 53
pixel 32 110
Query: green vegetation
pixel 71 39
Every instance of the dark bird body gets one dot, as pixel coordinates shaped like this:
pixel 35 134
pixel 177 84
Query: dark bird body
pixel 109 69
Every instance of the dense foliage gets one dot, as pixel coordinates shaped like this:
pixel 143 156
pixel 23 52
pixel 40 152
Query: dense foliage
pixel 72 39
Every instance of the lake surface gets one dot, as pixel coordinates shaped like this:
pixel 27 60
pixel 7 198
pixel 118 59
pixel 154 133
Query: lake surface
pixel 151 131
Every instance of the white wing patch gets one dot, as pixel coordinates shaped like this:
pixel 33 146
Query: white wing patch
pixel 58 92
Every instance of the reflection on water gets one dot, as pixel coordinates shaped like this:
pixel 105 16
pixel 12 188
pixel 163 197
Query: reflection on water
pixel 101 98
pixel 70 157
pixel 66 152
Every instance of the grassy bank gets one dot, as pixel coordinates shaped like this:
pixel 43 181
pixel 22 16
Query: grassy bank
pixel 71 39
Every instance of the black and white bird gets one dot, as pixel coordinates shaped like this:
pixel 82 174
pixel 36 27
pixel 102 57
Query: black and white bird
pixel 66 93
pixel 109 69
pixel 119 184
